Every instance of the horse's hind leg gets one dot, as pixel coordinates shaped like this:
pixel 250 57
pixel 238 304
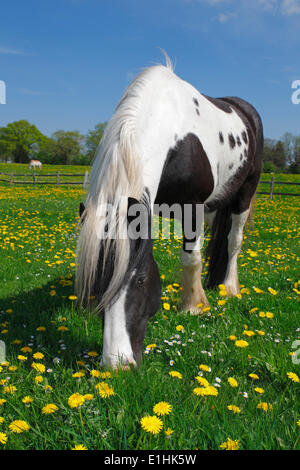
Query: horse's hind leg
pixel 235 240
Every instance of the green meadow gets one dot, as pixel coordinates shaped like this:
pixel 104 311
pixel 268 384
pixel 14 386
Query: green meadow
pixel 226 380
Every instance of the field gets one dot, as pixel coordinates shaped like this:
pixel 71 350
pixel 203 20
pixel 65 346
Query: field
pixel 231 377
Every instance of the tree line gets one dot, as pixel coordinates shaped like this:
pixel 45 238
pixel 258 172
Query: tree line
pixel 21 141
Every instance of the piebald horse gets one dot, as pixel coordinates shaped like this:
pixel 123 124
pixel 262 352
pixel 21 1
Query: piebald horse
pixel 165 143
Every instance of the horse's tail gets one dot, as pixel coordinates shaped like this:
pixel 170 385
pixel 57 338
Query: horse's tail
pixel 250 221
pixel 217 249
pixel 116 174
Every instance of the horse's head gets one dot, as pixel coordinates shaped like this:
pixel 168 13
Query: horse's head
pixel 125 319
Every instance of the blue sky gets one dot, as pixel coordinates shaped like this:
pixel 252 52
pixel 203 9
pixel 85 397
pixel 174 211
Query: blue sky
pixel 66 63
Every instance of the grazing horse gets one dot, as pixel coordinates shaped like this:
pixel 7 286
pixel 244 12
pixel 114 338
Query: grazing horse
pixel 165 143
pixel 34 164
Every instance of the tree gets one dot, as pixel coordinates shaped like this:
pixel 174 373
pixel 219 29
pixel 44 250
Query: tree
pixel 20 141
pixel 64 147
pixel 93 139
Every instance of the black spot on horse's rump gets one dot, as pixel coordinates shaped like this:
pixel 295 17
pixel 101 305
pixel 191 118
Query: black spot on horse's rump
pixel 196 101
pixel 244 137
pixel 231 141
pixel 241 157
pixel 221 138
pixel 238 140
pixel 245 153
pixel 230 166
pixel 197 111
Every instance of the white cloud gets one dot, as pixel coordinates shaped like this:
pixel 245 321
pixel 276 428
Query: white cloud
pixel 9 50
pixel 224 17
pixel 290 7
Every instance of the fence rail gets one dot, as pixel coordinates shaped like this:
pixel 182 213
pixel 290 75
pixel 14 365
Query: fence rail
pixel 272 183
pixel 35 176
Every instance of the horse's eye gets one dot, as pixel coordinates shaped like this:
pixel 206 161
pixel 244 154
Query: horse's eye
pixel 140 281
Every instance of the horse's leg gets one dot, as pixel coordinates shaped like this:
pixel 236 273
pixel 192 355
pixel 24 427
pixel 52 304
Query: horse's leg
pixel 235 239
pixel 193 296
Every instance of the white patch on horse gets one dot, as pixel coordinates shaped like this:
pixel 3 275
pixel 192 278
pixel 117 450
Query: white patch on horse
pixel 235 240
pixel 116 342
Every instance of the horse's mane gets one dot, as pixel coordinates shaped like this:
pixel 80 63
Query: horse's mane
pixel 116 174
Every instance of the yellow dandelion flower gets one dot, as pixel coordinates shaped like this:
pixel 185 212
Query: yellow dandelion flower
pixel 3 438
pixel 174 373
pixel 104 390
pixel 265 406
pixel 166 306
pixel 151 424
pixel 259 390
pixel 254 376
pixel 19 426
pixel 272 291
pixel 49 409
pixel 230 444
pixel 38 355
pixel 79 447
pixel 10 389
pixel 38 367
pixel 234 408
pixel 202 381
pixel 205 368
pixel 76 400
pixel 240 343
pixel 232 382
pixel 294 377
pixel 162 408
pixel 78 375
pixel 27 400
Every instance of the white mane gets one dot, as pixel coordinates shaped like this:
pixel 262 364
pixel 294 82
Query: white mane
pixel 116 174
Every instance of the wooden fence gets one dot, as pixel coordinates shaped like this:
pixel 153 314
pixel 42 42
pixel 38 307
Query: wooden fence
pixel 34 179
pixel 272 183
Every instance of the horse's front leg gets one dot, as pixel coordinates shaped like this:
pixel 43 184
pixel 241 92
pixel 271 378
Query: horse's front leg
pixel 193 296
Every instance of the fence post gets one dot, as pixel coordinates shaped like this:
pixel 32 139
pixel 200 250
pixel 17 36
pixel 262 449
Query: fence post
pixel 57 178
pixel 11 180
pixel 85 178
pixel 272 188
pixel 33 178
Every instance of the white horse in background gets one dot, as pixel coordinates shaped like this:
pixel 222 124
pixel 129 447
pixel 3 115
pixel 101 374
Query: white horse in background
pixel 35 164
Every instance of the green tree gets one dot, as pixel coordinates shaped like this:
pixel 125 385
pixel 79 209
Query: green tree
pixel 93 139
pixel 20 141
pixel 64 147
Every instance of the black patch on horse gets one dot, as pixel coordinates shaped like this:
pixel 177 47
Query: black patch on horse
pixel 186 175
pixel 238 141
pixel 196 101
pixel 231 140
pixel 219 103
pixel 197 111
pixel 244 137
pixel 221 138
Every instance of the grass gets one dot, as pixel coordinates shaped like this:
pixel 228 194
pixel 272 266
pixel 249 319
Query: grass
pixel 37 242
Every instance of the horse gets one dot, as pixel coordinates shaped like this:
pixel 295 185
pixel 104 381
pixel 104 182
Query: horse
pixel 34 164
pixel 165 143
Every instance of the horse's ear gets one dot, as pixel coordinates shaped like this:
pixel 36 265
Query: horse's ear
pixel 81 211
